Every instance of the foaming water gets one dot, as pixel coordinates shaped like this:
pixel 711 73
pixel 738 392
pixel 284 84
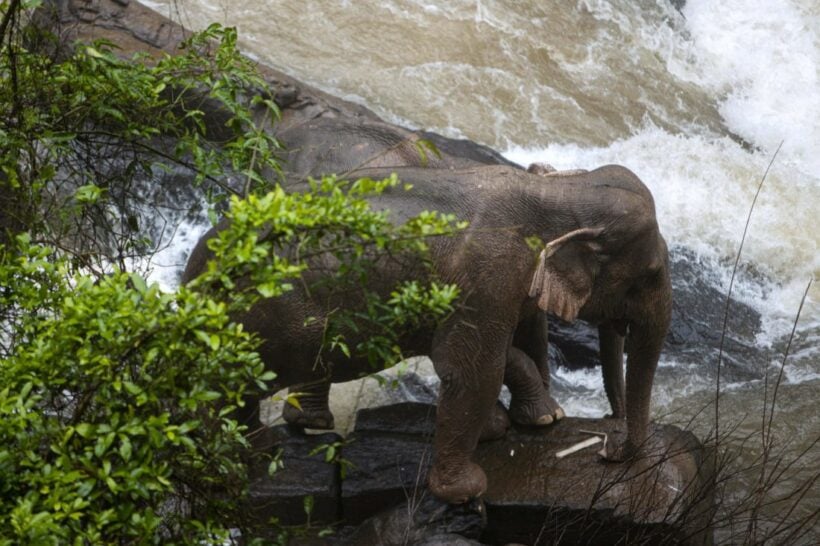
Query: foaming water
pixel 703 188
pixel 765 57
pixel 166 265
pixel 499 75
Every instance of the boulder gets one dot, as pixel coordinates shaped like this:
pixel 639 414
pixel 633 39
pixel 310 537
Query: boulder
pixel 698 310
pixel 534 497
pixel 304 473
pixel 389 454
pixel 422 520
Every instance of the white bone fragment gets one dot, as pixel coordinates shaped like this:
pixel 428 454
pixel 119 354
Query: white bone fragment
pixel 578 447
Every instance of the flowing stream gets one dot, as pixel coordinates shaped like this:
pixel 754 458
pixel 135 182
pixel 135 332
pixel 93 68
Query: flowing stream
pixel 696 102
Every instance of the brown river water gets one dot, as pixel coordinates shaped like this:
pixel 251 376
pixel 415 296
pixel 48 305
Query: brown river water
pixel 696 102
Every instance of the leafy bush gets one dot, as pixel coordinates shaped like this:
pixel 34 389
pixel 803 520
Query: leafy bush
pixel 109 430
pixel 115 415
pixel 116 398
pixel 88 138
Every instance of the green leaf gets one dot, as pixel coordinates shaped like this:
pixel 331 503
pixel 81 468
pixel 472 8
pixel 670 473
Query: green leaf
pixel 138 282
pixel 92 52
pixel 88 194
pixel 125 448
pixel 307 504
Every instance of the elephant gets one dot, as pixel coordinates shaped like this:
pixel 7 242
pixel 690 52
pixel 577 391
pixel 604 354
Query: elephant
pixel 332 145
pixel 604 261
pixel 546 170
pixel 336 146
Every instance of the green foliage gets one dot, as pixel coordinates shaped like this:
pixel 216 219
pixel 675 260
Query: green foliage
pixel 114 409
pixel 423 146
pixel 115 412
pixel 83 131
pixel 330 229
pixel 535 243
pixel 116 398
pixel 332 453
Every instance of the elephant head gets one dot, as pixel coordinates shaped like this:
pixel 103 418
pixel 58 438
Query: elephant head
pixel 615 274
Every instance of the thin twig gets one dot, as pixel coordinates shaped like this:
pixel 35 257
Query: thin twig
pixel 11 12
pixel 786 353
pixel 731 285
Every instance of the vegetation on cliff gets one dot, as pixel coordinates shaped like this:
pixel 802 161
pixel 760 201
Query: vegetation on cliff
pixel 116 397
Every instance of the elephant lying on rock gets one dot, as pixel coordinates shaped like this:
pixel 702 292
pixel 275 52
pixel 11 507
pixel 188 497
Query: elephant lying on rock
pixel 337 146
pixel 604 261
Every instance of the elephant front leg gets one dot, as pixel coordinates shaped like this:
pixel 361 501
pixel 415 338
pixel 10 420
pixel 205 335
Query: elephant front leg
pixel 313 411
pixel 645 342
pixel 470 382
pixel 611 346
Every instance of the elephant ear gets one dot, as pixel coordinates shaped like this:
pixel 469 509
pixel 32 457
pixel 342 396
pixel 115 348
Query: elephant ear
pixel 566 271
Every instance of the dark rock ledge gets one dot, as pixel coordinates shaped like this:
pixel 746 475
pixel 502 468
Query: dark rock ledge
pixel 532 498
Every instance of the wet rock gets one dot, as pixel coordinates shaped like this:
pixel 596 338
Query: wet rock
pixel 389 456
pixel 535 498
pixel 698 311
pixel 303 474
pixel 406 418
pixel 423 520
pixel 573 346
pixel 467 149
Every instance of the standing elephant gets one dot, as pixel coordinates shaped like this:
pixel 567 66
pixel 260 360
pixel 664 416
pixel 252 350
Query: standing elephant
pixel 604 261
pixel 337 146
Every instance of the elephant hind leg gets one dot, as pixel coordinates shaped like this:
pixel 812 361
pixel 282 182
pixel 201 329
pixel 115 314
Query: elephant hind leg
pixel 531 404
pixel 313 411
pixel 497 424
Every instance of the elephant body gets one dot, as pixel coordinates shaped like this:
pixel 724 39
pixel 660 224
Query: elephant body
pixel 337 146
pixel 329 145
pixel 605 261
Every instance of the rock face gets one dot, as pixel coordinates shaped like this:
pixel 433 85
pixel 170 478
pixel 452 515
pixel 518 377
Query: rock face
pixel 532 497
pixel 282 495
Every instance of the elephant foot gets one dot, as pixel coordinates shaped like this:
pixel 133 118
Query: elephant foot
pixel 539 412
pixel 497 424
pixel 315 418
pixel 457 484
pixel 618 452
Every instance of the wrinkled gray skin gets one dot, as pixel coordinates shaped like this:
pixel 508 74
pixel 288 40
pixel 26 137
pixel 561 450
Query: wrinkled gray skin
pixel 331 145
pixel 337 146
pixel 605 262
